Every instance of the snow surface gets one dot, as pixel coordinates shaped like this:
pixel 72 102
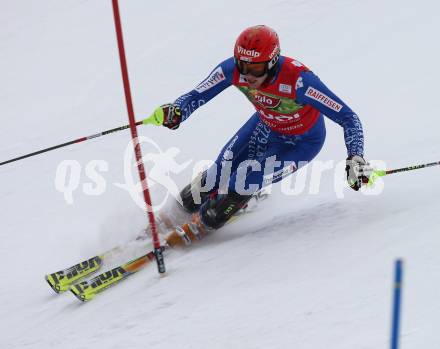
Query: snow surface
pixel 307 271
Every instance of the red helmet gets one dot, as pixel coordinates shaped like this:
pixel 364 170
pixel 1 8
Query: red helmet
pixel 257 44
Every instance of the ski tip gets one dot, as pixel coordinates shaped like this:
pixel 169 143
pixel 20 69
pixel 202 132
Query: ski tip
pixel 78 295
pixel 54 286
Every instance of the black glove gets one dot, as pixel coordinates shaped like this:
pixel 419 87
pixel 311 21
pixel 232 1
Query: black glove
pixel 358 171
pixel 172 116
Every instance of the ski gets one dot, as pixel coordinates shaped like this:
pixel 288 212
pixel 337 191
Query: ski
pixel 61 280
pixel 64 279
pixel 179 237
pixel 88 289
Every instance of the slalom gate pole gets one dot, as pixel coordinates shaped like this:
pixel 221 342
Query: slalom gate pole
pixel 381 173
pixel 137 149
pixel 398 284
pixel 79 140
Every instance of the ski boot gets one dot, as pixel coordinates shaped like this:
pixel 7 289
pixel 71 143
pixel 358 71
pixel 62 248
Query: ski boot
pixel 212 215
pixel 192 196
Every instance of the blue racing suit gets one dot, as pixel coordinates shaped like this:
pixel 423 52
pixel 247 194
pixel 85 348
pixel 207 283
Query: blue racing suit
pixel 287 130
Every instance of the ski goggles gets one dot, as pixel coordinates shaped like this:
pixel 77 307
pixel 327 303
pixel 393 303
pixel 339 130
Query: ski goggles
pixel 255 69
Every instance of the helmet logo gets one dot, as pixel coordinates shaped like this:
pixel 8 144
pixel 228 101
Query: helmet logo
pixel 251 53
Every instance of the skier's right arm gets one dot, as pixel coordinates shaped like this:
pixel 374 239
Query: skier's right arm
pixel 218 80
pixel 172 114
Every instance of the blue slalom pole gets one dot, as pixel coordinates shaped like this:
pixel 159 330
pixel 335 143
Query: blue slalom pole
pixel 398 284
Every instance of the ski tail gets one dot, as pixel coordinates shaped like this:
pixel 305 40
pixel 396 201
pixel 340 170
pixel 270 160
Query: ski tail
pixel 88 289
pixel 60 281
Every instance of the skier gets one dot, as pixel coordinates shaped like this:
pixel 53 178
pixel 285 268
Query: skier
pixel 290 101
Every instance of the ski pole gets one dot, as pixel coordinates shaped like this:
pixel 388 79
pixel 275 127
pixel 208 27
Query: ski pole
pixel 381 173
pixel 151 120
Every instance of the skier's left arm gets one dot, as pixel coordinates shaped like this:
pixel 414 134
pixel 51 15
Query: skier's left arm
pixel 311 90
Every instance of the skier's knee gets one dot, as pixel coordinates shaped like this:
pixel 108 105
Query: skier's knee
pixel 192 195
pixel 216 211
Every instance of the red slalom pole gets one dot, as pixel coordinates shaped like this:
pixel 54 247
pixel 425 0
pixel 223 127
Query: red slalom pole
pixel 137 149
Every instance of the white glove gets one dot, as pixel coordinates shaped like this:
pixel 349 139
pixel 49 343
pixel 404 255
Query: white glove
pixel 358 171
